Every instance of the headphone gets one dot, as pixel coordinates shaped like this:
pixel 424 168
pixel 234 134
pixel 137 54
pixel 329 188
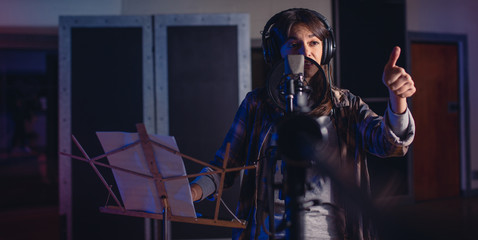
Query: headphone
pixel 269 46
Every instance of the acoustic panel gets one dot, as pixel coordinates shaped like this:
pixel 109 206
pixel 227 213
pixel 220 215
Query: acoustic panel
pixel 105 85
pixel 203 63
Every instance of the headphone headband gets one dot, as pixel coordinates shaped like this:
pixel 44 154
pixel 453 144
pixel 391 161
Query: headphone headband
pixel 269 48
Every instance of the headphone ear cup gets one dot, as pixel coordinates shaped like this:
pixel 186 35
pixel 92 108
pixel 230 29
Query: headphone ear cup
pixel 267 42
pixel 266 50
pixel 265 45
pixel 328 50
pixel 332 44
pixel 325 52
pixel 269 49
pixel 274 50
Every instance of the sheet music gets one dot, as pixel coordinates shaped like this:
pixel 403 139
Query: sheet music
pixel 139 193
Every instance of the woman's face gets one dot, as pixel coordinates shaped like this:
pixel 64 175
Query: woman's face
pixel 302 41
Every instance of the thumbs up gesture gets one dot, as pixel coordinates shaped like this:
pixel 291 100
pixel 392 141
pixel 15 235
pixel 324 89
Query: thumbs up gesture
pixel 399 83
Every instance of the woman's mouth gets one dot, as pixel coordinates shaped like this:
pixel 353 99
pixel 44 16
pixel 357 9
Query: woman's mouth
pixel 307 64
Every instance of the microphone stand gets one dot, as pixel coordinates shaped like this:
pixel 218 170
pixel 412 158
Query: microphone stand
pixel 295 171
pixel 296 94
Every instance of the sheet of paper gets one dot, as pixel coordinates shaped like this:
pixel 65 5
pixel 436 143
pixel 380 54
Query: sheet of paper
pixel 139 193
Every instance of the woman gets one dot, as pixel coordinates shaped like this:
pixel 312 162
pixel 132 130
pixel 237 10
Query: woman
pixel 354 129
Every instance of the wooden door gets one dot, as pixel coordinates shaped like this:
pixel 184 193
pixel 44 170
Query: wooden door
pixel 436 156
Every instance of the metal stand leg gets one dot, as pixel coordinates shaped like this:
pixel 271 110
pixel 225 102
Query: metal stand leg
pixel 165 226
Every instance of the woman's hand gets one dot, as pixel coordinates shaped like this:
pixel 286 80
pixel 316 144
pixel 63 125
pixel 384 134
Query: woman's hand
pixel 399 83
pixel 196 192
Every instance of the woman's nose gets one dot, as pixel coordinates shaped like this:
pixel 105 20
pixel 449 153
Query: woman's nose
pixel 304 50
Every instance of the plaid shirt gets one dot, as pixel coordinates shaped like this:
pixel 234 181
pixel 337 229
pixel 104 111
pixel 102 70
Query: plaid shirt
pixel 359 129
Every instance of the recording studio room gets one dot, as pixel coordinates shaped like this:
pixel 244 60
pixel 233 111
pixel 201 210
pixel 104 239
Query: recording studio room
pixel 198 120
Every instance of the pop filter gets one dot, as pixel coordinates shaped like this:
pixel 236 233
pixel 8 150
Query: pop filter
pixel 276 81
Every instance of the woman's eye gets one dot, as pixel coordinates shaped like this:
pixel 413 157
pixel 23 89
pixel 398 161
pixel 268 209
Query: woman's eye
pixel 314 43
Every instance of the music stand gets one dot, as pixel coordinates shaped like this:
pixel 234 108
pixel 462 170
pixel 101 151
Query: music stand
pixel 147 146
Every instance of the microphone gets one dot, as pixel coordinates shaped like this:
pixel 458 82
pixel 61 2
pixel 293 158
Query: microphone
pixel 277 84
pixel 296 89
pixel 294 64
